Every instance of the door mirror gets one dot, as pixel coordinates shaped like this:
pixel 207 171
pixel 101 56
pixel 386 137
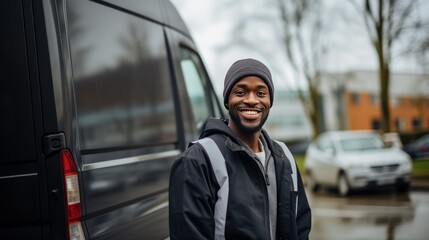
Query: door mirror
pixel 388 144
pixel 330 151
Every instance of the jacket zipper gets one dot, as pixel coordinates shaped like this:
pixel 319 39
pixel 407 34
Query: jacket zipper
pixel 267 182
pixel 263 170
pixel 264 173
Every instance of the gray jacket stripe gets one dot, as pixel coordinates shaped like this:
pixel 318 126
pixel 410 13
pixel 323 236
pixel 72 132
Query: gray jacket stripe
pixel 219 167
pixel 294 172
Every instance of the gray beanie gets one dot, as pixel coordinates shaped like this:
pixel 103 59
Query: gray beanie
pixel 243 68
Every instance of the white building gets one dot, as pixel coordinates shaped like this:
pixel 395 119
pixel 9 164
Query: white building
pixel 287 120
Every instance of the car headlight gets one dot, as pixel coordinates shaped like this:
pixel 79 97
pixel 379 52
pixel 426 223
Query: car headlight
pixel 356 166
pixel 407 166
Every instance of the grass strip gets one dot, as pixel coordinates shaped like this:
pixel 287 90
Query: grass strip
pixel 421 168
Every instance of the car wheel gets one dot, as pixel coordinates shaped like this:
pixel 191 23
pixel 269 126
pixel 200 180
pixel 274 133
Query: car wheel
pixel 403 187
pixel 343 185
pixel 311 182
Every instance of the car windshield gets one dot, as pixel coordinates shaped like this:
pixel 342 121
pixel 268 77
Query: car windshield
pixel 361 144
pixel 423 140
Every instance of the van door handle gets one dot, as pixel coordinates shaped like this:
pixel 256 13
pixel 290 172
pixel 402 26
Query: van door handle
pixel 54 142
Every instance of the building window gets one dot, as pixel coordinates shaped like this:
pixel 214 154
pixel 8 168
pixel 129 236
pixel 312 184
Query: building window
pixel 355 98
pixel 374 99
pixel 417 123
pixel 400 124
pixel 376 124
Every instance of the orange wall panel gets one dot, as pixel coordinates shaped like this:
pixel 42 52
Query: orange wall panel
pixel 361 113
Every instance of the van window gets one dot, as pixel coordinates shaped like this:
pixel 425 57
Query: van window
pixel 121 78
pixel 196 86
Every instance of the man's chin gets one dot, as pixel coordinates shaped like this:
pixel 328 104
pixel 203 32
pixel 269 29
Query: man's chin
pixel 253 129
pixel 252 124
pixel 248 127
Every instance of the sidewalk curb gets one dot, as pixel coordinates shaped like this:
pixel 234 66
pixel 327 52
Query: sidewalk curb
pixel 417 183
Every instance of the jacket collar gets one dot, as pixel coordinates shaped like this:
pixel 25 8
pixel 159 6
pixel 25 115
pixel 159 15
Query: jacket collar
pixel 216 126
pixel 237 145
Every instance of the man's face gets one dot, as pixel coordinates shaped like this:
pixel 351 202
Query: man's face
pixel 249 105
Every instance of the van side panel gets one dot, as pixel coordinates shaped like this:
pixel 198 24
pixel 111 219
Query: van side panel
pixel 106 75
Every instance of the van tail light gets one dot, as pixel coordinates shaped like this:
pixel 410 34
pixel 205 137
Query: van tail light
pixel 72 192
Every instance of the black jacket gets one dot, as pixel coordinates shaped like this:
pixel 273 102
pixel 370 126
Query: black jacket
pixel 193 192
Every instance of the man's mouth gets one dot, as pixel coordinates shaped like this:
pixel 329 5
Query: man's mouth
pixel 250 111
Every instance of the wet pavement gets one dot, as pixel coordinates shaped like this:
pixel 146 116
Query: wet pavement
pixel 377 214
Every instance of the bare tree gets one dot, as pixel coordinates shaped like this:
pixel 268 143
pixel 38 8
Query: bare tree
pixel 386 22
pixel 418 44
pixel 304 50
pixel 298 32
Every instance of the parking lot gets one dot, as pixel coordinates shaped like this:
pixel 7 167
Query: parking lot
pixel 375 214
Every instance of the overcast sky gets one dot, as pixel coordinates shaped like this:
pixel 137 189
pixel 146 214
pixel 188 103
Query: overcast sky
pixel 209 23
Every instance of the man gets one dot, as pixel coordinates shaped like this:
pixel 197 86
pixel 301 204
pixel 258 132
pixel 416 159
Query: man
pixel 259 201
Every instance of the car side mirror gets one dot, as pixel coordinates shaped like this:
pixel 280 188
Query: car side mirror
pixel 388 144
pixel 331 151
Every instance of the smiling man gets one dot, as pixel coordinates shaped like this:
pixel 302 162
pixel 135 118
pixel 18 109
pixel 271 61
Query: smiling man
pixel 236 182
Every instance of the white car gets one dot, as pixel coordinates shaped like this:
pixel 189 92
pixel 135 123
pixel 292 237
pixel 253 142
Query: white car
pixel 354 160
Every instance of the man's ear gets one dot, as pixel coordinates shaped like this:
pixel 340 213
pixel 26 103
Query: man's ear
pixel 226 106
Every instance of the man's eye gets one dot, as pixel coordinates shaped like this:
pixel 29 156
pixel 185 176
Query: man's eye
pixel 262 93
pixel 240 93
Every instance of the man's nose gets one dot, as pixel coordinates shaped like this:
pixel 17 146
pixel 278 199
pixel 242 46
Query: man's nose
pixel 251 99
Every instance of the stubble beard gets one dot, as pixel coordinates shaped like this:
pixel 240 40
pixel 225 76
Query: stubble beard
pixel 250 130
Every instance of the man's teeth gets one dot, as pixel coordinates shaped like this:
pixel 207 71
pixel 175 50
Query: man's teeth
pixel 250 112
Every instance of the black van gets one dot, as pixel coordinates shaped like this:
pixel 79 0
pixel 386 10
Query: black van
pixel 98 98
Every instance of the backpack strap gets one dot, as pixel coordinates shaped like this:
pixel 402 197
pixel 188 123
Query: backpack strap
pixel 289 156
pixel 219 167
